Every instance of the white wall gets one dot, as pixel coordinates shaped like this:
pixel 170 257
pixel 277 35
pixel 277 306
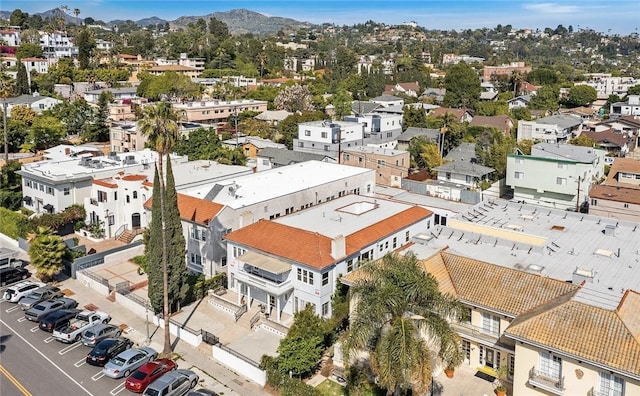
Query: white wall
pixel 253 373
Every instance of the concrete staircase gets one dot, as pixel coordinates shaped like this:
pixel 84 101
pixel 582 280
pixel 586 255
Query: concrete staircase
pixel 127 236
pixel 245 319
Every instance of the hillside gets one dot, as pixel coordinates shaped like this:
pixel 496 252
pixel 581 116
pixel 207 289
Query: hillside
pixel 243 21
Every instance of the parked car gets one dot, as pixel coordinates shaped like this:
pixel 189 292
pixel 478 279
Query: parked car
pixel 107 349
pixel 92 336
pixel 42 294
pixel 57 319
pixel 40 310
pixel 16 292
pixel 147 373
pixel 9 275
pixel 128 361
pixel 173 383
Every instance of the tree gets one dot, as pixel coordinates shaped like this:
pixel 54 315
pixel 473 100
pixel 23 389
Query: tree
pixel 160 125
pixel 581 95
pixel 6 90
pixel 583 140
pixel 294 98
pixel 10 185
pixel 414 117
pixel 342 103
pixel 463 86
pixel 431 156
pixel 300 351
pixel 86 45
pixel 46 251
pixel 492 147
pixel 396 301
pixel 29 50
pixel 22 80
pixel 634 90
pixel 288 128
pixel 23 114
pixel 218 29
pixel 99 130
pixel 76 116
pixel 545 99
pixel 45 132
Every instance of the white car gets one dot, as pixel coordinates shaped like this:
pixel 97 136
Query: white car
pixel 16 292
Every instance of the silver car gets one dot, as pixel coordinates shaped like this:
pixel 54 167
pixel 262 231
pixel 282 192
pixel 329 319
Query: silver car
pixel 128 361
pixel 40 310
pixel 92 336
pixel 38 295
pixel 173 383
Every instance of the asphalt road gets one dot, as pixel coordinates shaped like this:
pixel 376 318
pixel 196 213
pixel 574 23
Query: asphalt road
pixel 33 363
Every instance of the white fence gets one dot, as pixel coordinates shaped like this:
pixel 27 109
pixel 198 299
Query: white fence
pixel 88 281
pixel 239 365
pixel 186 334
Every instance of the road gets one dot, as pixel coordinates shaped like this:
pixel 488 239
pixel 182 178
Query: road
pixel 33 363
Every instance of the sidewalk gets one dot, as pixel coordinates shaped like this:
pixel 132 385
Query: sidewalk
pixel 213 375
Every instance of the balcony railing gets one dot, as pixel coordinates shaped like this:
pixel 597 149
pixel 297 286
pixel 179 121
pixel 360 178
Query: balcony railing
pixel 261 283
pixel 476 331
pixel 553 385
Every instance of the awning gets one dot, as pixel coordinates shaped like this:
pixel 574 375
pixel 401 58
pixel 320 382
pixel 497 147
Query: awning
pixel 265 263
pixel 27 199
pixel 48 208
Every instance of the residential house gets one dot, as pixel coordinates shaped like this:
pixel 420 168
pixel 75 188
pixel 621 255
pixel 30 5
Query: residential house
pixel 268 194
pixel 555 175
pixel 328 137
pixel 390 165
pixel 57 45
pixel 269 158
pixel 454 59
pixel 380 129
pixel 324 242
pixel 519 101
pixel 461 171
pixel 104 45
pixel 618 196
pixel 218 111
pixel 359 107
pixel 502 123
pixel 124 137
pixel 410 89
pixel 436 95
pixel 119 94
pixel 188 71
pixel 489 92
pixel 631 106
pixel 528 89
pixel 586 113
pixel 251 145
pixel 296 64
pixel 405 138
pixel 273 117
pixel 615 143
pixel 36 102
pixel 388 100
pixel 10 37
pixel 489 71
pixel 605 84
pixel 37 65
pixel 461 115
pixel 553 129
pixel 121 112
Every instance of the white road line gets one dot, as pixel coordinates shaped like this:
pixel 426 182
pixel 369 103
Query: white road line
pixel 48 339
pixel 22 319
pixel 34 329
pixel 117 389
pixel 47 359
pixel 97 376
pixel 69 348
pixel 80 362
pixel 12 309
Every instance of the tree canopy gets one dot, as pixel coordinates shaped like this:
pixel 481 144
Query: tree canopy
pixel 463 86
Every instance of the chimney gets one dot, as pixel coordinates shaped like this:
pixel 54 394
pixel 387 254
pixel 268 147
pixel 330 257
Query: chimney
pixel 338 247
pixel 67 151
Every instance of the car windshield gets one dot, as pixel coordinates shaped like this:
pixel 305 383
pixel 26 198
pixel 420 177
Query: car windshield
pixel 89 333
pixel 151 392
pixel 139 375
pixel 118 361
pixel 35 295
pixel 39 308
pixel 102 347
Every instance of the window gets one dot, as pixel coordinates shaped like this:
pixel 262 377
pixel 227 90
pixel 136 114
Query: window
pixel 610 385
pixel 305 276
pixel 469 179
pixel 41 187
pixel 349 265
pixel 307 133
pixel 326 147
pixel 561 181
pixel 198 234
pixel 323 135
pixel 519 160
pixel 300 144
pixel 325 309
pixel 196 259
pixel 550 366
pixel 395 242
pixel 346 157
pixel 66 191
pixel 563 166
pixel 381 247
pixel 360 160
pixel 594 202
pixel 466 348
pixel 380 163
pixel 127 198
pixel 135 195
pixel 448 175
pixel 519 175
pixel 490 324
pixel 626 205
pixel 102 196
pixel 50 190
pixel 27 183
pixel 325 279
pixel 406 236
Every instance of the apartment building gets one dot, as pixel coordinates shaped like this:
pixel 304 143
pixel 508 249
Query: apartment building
pixel 328 137
pixel 557 128
pixel 218 111
pixel 630 107
pixel 605 84
pixel 57 45
pixel 508 69
pixel 390 165
pixel 555 175
pixel 618 197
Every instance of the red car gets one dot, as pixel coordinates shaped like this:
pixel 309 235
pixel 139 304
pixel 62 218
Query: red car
pixel 147 373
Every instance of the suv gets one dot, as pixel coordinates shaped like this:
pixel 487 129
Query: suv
pixel 92 336
pixel 173 383
pixel 42 294
pixel 16 292
pixel 57 319
pixel 10 275
pixel 41 310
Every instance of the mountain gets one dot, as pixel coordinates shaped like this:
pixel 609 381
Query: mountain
pixel 241 21
pixel 151 21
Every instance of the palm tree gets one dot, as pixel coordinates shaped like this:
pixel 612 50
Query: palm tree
pixel 6 91
pixel 398 307
pixel 160 124
pixel 46 251
pixel 76 12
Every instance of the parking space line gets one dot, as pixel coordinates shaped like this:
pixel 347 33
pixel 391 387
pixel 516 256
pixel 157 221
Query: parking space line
pixel 34 329
pixel 12 309
pixel 98 376
pixel 22 319
pixel 69 348
pixel 117 389
pixel 80 362
pixel 48 339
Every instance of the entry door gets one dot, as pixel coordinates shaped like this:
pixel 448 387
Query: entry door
pixel 135 220
pixel 489 358
pixel 272 302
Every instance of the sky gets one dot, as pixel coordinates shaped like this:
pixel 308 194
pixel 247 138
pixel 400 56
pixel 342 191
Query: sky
pixel 620 16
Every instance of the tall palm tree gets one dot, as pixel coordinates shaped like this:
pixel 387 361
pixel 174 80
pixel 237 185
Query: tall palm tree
pixel 160 124
pixel 6 91
pixel 398 307
pixel 76 12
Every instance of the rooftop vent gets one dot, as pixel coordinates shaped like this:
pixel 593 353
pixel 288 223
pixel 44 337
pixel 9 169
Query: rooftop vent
pixel 580 275
pixel 557 228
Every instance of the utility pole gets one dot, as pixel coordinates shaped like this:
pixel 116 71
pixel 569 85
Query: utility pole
pixel 339 144
pixel 578 196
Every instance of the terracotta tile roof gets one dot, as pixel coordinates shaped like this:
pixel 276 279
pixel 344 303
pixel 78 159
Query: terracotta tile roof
pixel 134 177
pixel 194 209
pixel 105 184
pixel 502 289
pixel 615 193
pixel 628 310
pixel 500 122
pixel 313 249
pixel 148 184
pixel 172 68
pixel 435 266
pixel 587 332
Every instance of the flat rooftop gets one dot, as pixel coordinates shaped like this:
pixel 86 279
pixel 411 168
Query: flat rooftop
pixel 432 203
pixel 569 246
pixel 261 186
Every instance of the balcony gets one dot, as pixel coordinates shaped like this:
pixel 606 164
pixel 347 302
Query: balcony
pixel 268 285
pixel 476 332
pixel 539 380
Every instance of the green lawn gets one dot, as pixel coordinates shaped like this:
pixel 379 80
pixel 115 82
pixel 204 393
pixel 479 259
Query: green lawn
pixel 330 388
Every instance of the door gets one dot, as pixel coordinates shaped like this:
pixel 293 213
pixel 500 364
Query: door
pixel 489 357
pixel 272 303
pixel 135 220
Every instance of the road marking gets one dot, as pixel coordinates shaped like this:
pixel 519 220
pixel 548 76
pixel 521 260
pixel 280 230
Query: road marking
pixel 46 358
pixel 34 329
pixel 80 362
pixel 117 389
pixel 12 309
pixel 22 319
pixel 14 381
pixel 48 339
pixel 98 376
pixel 129 330
pixel 69 348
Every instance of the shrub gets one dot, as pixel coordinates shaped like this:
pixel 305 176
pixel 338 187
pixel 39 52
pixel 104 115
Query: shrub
pixel 13 224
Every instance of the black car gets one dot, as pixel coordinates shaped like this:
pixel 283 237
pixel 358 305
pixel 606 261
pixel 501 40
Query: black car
pixel 10 275
pixel 57 319
pixel 106 349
